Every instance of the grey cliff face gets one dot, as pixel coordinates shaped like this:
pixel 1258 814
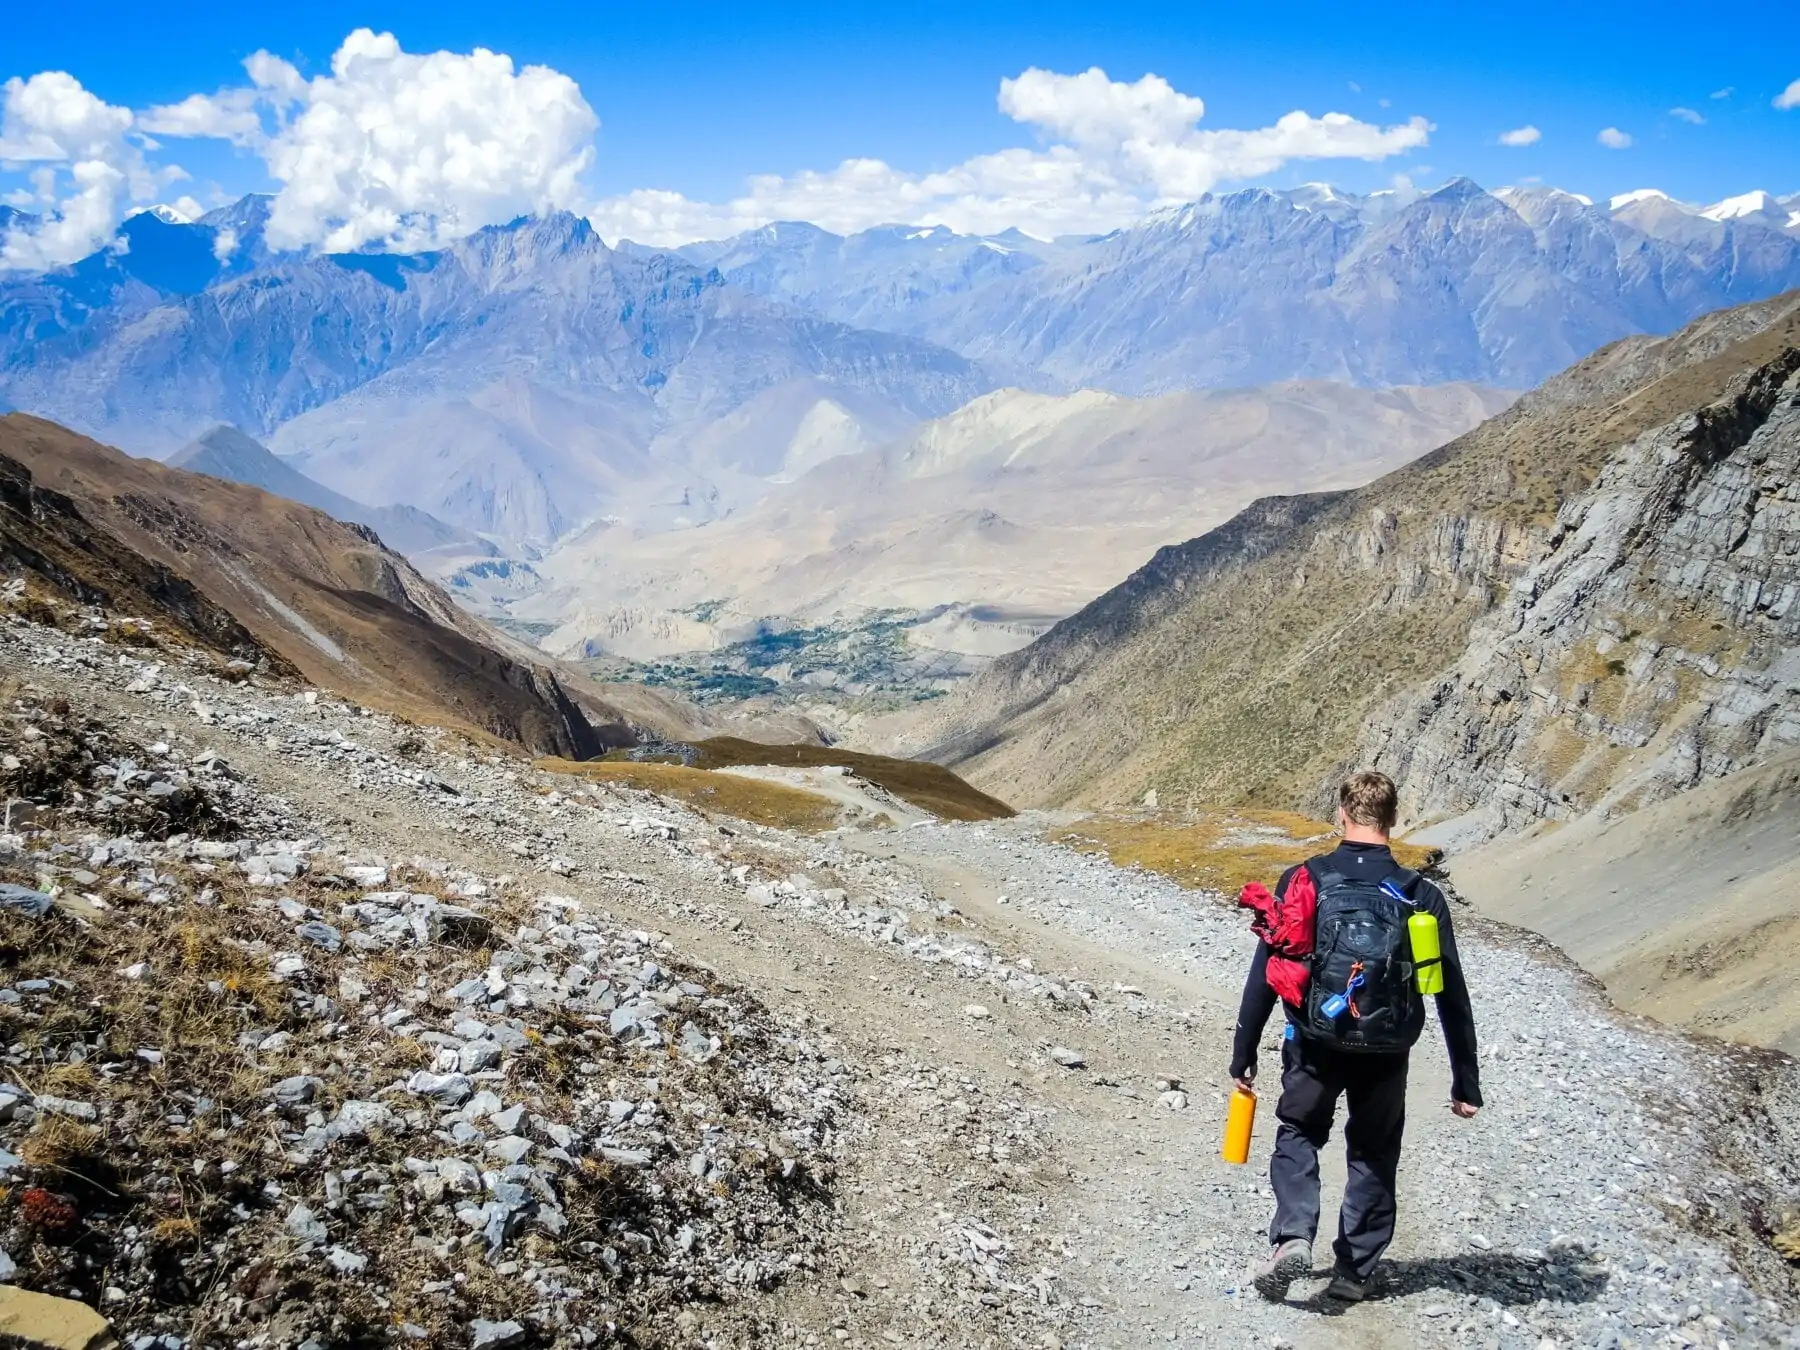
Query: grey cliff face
pixel 1653 643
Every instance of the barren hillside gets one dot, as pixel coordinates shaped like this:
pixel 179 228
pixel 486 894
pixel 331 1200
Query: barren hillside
pixel 243 570
pixel 1250 664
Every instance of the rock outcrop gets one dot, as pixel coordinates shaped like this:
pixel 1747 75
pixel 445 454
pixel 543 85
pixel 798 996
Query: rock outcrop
pixel 1651 647
pixel 1585 603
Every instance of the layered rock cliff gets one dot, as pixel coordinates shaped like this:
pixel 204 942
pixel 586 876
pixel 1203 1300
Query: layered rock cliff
pixel 1651 646
pixel 1253 664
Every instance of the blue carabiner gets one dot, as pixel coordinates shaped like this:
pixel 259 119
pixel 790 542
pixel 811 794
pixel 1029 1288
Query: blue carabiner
pixel 1335 1005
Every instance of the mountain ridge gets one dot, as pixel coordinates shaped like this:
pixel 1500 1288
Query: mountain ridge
pixel 268 575
pixel 1200 276
pixel 227 453
pixel 1314 618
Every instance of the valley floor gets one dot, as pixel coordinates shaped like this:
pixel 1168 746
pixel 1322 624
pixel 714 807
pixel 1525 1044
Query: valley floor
pixel 1617 1191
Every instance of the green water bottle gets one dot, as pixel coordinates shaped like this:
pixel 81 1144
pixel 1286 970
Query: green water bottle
pixel 1428 957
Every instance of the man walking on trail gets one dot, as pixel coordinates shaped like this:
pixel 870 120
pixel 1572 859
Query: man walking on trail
pixel 1370 1073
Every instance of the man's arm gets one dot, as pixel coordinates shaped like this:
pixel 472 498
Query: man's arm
pixel 1253 1015
pixel 1455 1011
pixel 1257 1003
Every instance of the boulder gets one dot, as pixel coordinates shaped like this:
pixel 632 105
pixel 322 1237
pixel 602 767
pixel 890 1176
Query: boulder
pixel 43 1322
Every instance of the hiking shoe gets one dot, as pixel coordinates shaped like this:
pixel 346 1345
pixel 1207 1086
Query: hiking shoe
pixel 1346 1288
pixel 1285 1264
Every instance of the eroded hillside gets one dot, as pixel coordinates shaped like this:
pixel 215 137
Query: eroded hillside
pixel 1245 665
pixel 255 575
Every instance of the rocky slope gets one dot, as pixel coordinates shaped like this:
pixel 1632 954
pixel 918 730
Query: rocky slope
pixel 1684 909
pixel 499 1059
pixel 247 573
pixel 1655 643
pixel 1640 495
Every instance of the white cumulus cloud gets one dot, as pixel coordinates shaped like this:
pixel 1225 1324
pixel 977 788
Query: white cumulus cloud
pixel 1614 139
pixel 1113 150
pixel 1520 136
pixel 407 151
pixel 398 149
pixel 230 115
pixel 1687 115
pixel 83 169
pixel 1789 97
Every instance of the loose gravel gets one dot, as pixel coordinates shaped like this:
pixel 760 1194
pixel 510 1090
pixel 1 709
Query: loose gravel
pixel 1024 1046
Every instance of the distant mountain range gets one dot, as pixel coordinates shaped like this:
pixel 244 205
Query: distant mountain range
pixel 530 380
pixel 1501 288
pixel 517 384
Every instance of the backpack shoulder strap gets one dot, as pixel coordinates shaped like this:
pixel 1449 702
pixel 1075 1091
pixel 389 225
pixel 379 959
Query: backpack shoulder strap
pixel 1407 881
pixel 1324 878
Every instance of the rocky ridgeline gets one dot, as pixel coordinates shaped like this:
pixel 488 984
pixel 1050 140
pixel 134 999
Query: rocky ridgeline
pixel 1653 645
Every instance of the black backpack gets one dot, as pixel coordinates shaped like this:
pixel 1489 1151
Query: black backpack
pixel 1361 934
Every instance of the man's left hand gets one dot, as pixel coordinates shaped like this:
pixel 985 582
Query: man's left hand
pixel 1464 1110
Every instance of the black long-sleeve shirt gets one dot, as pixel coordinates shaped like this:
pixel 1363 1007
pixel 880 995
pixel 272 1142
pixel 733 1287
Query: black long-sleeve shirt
pixel 1376 863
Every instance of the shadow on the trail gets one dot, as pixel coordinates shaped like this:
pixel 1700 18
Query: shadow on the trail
pixel 1508 1278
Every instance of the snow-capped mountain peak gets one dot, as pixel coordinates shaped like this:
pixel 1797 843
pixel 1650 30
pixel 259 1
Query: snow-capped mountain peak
pixel 168 215
pixel 1748 204
pixel 1625 199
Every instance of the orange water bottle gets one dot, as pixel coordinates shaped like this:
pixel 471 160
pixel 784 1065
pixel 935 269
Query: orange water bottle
pixel 1240 1116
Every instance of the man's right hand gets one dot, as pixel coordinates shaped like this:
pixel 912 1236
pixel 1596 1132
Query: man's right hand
pixel 1246 1083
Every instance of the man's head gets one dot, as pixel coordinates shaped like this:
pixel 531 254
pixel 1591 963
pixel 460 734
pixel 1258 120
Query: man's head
pixel 1368 805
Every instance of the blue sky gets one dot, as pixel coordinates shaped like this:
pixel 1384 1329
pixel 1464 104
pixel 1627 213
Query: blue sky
pixel 693 99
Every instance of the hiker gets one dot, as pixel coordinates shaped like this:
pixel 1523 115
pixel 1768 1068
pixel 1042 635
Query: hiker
pixel 1362 1053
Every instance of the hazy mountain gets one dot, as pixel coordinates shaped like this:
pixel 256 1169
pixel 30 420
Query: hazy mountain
pixel 225 452
pixel 534 376
pixel 1258 286
pixel 1003 516
pixel 891 277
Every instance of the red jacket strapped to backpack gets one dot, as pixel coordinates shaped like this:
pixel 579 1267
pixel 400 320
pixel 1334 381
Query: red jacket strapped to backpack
pixel 1285 923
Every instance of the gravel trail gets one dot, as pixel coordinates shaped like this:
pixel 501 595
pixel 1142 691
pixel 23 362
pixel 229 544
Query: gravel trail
pixel 1616 1191
pixel 1565 1214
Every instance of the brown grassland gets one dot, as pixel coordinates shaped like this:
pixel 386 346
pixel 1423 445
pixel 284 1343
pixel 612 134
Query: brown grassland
pixel 930 787
pixel 750 799
pixel 1214 850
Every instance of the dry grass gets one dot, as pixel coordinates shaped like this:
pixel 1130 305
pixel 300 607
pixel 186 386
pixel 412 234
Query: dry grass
pixel 1216 850
pixel 727 794
pixel 930 787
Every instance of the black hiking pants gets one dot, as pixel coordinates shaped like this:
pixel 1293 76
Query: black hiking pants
pixel 1374 1089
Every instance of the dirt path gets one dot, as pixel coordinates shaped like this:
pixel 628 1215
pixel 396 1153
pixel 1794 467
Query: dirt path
pixel 997 1198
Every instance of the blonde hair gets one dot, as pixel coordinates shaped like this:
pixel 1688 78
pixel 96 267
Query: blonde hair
pixel 1370 798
